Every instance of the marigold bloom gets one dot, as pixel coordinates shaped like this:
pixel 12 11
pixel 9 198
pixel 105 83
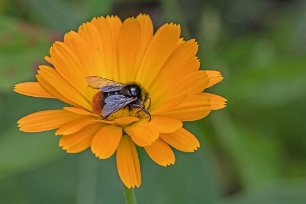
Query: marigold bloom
pixel 162 63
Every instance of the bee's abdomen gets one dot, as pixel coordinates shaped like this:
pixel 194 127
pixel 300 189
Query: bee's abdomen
pixel 98 103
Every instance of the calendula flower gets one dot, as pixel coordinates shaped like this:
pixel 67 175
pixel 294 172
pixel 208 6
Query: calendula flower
pixel 162 64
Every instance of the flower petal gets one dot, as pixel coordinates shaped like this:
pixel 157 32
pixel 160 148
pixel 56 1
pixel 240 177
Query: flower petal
pixel 80 140
pixel 76 125
pixel 46 120
pixel 161 153
pixel 182 140
pixel 160 48
pixel 48 59
pixel 214 77
pixel 193 108
pixel 128 163
pixel 192 83
pixel 106 141
pixel 160 109
pixel 68 66
pixel 104 37
pixel 51 81
pixel 216 102
pixel 182 61
pixel 142 133
pixel 125 121
pixel 78 45
pixel 32 89
pixel 134 37
pixel 165 124
pixel 128 43
pixel 80 111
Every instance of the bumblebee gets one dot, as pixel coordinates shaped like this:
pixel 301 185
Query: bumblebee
pixel 114 96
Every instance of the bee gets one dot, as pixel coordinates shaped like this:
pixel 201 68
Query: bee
pixel 114 96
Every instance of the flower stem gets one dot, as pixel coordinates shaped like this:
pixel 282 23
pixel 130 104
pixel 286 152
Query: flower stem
pixel 129 196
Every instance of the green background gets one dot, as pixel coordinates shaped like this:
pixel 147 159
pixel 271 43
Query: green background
pixel 252 152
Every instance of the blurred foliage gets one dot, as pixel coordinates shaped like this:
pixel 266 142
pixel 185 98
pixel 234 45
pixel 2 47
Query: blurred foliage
pixel 252 152
pixel 16 61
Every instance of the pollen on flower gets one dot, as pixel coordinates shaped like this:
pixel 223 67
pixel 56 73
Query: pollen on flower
pixel 106 116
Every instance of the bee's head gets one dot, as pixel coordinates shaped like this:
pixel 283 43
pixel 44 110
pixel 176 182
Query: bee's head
pixel 133 90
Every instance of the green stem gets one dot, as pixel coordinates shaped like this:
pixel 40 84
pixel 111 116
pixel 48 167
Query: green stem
pixel 129 196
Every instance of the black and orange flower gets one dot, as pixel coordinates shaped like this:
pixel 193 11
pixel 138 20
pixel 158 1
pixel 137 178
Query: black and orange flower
pixel 163 64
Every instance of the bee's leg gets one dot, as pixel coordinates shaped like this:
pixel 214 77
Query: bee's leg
pixel 146 99
pixel 143 109
pixel 129 107
pixel 149 102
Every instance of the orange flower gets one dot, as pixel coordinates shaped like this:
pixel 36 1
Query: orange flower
pixel 162 63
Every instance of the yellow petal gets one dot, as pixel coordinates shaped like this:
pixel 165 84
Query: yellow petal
pixel 80 140
pixel 106 141
pixel 181 63
pixel 128 43
pixel 128 163
pixel 216 102
pixel 146 30
pixel 142 133
pixel 182 140
pixel 79 46
pixel 146 35
pixel 160 48
pixel 134 38
pixel 76 125
pixel 45 85
pixel 161 108
pixel 214 77
pixel 32 89
pixel 102 40
pixel 161 153
pixel 48 59
pixel 67 65
pixel 192 108
pixel 192 83
pixel 125 121
pixel 80 111
pixel 46 120
pixel 60 87
pixel 165 124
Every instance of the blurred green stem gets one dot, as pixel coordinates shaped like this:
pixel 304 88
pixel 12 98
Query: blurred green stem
pixel 129 196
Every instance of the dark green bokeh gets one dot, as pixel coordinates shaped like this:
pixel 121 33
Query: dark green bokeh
pixel 252 152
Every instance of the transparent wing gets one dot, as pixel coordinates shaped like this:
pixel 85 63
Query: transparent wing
pixel 114 103
pixel 102 83
pixel 111 88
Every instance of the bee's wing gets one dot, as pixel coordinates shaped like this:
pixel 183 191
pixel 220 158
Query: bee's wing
pixel 111 88
pixel 114 103
pixel 106 85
